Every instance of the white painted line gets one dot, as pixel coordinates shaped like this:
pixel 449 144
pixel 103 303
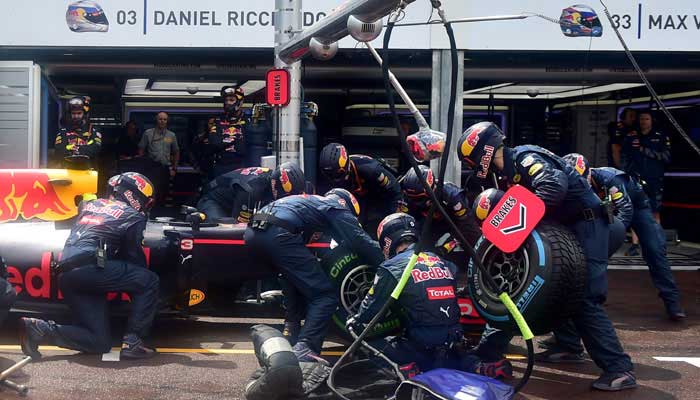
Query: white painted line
pixel 695 361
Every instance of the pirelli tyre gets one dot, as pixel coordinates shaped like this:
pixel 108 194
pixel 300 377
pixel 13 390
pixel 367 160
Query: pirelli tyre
pixel 353 278
pixel 545 277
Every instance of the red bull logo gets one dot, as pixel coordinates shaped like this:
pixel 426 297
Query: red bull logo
pixel 355 204
pixel 142 184
pixel 430 178
pixel 580 165
pixel 483 207
pixel 433 273
pixel 29 194
pixel 284 180
pixel 343 159
pixel 470 142
pixel 485 162
pixel 428 260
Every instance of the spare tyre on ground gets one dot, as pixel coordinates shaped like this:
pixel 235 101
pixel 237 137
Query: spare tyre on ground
pixel 545 278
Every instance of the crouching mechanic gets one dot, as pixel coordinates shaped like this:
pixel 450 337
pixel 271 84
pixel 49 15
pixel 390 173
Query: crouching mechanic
pixel 279 233
pixel 433 332
pixel 632 205
pixel 374 186
pixel 417 203
pixel 102 254
pixel 569 200
pixel 237 193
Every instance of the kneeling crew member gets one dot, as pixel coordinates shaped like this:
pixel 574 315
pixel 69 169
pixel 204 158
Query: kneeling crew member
pixel 236 194
pixel 103 254
pixel 632 205
pixel 279 233
pixel 432 330
pixel 569 200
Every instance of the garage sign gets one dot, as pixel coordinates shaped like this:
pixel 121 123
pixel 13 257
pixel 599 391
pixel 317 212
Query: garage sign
pixel 514 217
pixel 278 87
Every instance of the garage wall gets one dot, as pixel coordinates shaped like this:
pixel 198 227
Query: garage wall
pixel 20 92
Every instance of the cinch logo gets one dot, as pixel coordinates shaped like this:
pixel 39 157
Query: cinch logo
pixel 441 293
pixel 503 212
pixel 340 264
pixel 431 274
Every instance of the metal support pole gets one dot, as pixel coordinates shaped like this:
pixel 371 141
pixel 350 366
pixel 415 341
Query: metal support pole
pixel 288 22
pixel 441 82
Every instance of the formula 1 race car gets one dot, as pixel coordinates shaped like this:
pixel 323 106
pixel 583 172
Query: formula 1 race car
pixel 202 266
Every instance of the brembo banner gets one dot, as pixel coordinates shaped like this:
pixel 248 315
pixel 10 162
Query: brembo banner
pixel 646 25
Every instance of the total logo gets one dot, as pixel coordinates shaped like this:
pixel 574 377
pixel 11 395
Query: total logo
pixel 433 273
pixel 441 293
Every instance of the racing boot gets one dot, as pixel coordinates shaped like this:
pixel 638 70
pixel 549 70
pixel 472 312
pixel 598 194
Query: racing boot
pixel 557 356
pixel 291 331
pixel 675 312
pixel 501 369
pixel 615 381
pixel 633 251
pixel 409 370
pixel 305 354
pixel 548 343
pixel 33 331
pixel 133 348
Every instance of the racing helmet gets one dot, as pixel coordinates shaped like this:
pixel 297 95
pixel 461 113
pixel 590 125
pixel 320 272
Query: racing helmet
pixel 334 162
pixel 580 21
pixel 235 92
pixel 485 202
pixel 393 230
pixel 78 103
pixel 579 163
pixel 345 198
pixel 134 189
pixel 86 16
pixel 112 183
pixel 412 185
pixel 287 179
pixel 478 145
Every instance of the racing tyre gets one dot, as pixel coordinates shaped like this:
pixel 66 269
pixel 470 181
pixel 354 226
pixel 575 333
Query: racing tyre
pixel 353 279
pixel 545 278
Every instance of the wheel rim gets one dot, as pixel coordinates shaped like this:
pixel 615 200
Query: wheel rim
pixel 508 270
pixel 354 288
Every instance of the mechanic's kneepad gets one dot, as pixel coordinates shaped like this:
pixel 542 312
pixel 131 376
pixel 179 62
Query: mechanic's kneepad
pixel 280 375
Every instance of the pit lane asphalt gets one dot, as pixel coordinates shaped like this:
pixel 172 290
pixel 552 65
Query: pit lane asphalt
pixel 212 358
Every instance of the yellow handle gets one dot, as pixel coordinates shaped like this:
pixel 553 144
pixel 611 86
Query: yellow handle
pixel 517 316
